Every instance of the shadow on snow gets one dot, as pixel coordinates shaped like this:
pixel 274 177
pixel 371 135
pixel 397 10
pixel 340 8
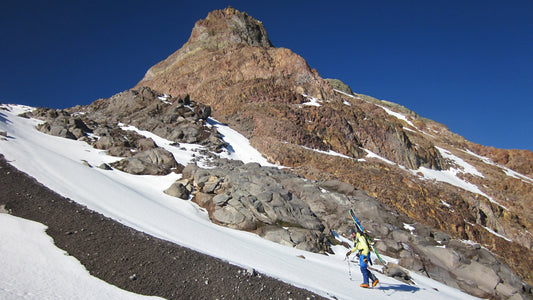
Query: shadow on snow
pixel 3 118
pixel 397 287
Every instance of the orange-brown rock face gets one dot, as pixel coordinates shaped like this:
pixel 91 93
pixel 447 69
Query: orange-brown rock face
pixel 288 111
pixel 518 160
pixel 230 52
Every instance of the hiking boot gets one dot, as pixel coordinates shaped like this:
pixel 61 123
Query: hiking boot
pixel 375 282
pixel 364 285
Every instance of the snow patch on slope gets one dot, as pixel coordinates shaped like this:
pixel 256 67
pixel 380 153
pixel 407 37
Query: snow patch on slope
pixel 462 165
pixel 312 101
pixel 451 176
pixel 34 268
pixel 397 115
pixel 507 171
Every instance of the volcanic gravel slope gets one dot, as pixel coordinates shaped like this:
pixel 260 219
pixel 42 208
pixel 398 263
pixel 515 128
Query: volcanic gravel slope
pixel 130 259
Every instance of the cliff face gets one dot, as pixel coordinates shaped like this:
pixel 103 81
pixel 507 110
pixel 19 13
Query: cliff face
pixel 288 111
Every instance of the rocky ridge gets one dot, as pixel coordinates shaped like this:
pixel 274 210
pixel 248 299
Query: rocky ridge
pixel 176 119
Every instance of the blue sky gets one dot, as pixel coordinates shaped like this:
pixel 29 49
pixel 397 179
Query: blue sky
pixel 466 64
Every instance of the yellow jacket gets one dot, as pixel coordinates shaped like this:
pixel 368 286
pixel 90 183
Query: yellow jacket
pixel 360 245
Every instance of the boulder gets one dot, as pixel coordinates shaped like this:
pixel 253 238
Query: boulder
pixel 401 236
pixel 482 276
pixel 234 215
pixel 397 272
pixel 203 199
pixel 393 245
pixel 380 246
pixel 177 189
pixel 105 166
pixel 337 186
pixel 61 123
pixel 277 235
pixel 104 142
pixel 443 257
pixel 212 184
pixel 411 263
pixel 506 290
pixel 221 199
pixel 145 144
pixel 307 240
pixel 156 161
pixel 57 130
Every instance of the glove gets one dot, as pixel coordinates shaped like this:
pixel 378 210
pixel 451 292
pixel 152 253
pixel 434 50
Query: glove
pixel 348 254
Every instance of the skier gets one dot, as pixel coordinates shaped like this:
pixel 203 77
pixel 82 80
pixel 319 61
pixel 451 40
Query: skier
pixel 363 251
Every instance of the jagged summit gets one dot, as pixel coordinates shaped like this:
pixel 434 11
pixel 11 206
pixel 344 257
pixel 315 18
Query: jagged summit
pixel 227 48
pixel 227 26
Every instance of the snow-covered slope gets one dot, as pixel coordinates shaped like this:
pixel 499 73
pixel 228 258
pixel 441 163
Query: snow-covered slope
pixel 139 202
pixel 34 268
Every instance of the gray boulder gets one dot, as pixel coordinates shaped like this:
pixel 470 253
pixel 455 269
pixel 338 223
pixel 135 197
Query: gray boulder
pixel 338 187
pixel 178 190
pixel 61 123
pixel 397 272
pixel 104 142
pixel 299 238
pixel 105 166
pixel 156 161
pixel 234 215
pixel 482 276
pixel 443 257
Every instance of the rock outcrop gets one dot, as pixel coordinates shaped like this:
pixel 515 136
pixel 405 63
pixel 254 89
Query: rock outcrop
pixel 293 211
pixel 103 125
pixel 251 197
pixel 175 118
pixel 340 86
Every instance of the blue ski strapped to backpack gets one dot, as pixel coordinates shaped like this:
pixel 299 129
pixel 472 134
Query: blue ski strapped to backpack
pixel 365 234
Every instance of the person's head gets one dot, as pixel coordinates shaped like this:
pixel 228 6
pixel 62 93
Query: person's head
pixel 351 232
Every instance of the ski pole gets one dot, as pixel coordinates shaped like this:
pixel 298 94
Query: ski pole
pixel 349 269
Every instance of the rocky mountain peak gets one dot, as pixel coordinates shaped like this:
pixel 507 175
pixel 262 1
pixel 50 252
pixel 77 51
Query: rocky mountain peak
pixel 230 48
pixel 229 26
